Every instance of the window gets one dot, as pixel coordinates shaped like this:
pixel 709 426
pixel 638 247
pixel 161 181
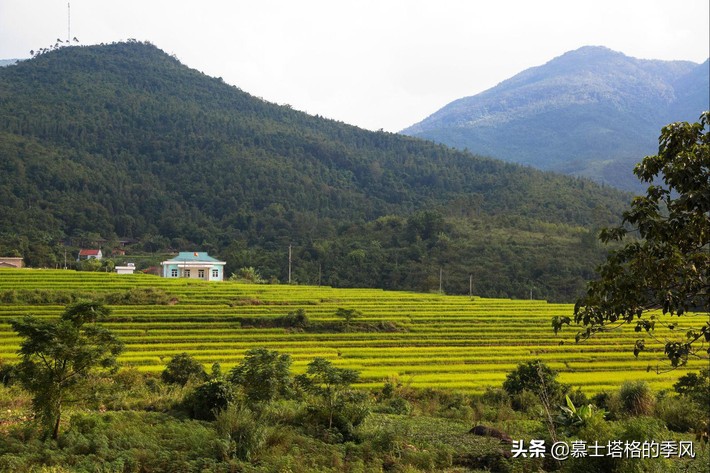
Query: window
pixel 201 273
pixel 173 273
pixel 215 273
pixel 187 273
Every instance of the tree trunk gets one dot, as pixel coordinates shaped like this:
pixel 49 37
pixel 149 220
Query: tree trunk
pixel 55 432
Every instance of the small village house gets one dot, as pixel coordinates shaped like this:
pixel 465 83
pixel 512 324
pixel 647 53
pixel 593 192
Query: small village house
pixel 11 262
pixel 194 265
pixel 89 254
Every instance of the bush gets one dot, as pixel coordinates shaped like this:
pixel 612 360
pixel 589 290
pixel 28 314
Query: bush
pixel 7 373
pixel 535 376
pixel 636 398
pixel 209 398
pixel 679 414
pixel 242 432
pixel 695 386
pixel 525 401
pixel 263 374
pixel 396 405
pixel 296 319
pixel 181 369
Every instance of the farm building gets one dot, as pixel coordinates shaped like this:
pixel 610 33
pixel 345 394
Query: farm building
pixel 128 268
pixel 90 254
pixel 195 265
pixel 11 262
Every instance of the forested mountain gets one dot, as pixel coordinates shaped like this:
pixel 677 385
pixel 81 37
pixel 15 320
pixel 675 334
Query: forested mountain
pixel 591 112
pixel 122 140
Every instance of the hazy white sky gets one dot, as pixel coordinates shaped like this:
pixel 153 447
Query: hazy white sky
pixel 371 63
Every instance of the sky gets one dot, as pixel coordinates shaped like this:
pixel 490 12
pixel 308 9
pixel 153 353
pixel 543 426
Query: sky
pixel 376 64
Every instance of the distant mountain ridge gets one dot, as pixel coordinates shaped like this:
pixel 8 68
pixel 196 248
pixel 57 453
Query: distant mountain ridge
pixel 591 112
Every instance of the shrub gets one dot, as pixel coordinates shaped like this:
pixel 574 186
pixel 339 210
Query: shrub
pixel 209 398
pixel 263 374
pixel 537 377
pixel 181 369
pixel 679 414
pixel 525 401
pixel 396 405
pixel 242 431
pixel 695 386
pixel 296 319
pixel 7 373
pixel 636 398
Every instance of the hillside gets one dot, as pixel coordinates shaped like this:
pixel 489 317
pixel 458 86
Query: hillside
pixel 124 141
pixel 591 112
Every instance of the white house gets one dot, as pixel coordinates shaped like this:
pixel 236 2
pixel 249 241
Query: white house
pixel 127 269
pixel 194 265
pixel 90 254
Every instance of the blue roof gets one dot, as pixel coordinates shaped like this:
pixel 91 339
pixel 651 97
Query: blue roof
pixel 194 256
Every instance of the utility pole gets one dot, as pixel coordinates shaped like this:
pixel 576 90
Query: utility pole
pixel 68 22
pixel 470 286
pixel 319 274
pixel 289 264
pixel 441 278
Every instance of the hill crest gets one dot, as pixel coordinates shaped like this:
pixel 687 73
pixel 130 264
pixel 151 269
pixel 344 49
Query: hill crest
pixel 592 112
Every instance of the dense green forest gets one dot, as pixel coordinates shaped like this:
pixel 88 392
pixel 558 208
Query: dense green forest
pixel 123 141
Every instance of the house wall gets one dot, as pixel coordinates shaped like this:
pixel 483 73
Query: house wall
pixel 11 262
pixel 174 270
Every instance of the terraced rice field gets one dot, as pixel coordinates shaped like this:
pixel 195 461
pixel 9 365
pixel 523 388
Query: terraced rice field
pixel 448 342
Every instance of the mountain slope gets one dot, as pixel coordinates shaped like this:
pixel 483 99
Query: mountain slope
pixel 591 112
pixel 122 140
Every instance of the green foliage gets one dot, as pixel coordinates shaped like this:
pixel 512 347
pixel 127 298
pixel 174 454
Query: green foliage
pixel 636 397
pixel 339 408
pixel 680 413
pixel 183 368
pixel 57 357
pixel 536 377
pixel 668 268
pixel 348 314
pixel 242 431
pixel 247 274
pixel 263 374
pixel 295 319
pixel 696 386
pixel 209 398
pixel 573 418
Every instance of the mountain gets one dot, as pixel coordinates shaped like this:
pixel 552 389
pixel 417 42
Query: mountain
pixel 591 112
pixel 7 62
pixel 124 141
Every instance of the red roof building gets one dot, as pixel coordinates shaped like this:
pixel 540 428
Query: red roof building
pixel 89 254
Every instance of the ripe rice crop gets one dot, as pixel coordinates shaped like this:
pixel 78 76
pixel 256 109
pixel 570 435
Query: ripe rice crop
pixel 446 342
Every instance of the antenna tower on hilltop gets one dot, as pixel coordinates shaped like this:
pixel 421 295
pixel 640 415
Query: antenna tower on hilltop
pixel 68 22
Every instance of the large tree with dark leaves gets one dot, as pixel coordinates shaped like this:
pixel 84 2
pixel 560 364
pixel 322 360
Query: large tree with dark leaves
pixel 668 267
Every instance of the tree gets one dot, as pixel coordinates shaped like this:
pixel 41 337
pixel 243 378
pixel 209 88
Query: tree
pixel 182 368
pixel 58 357
pixel 666 269
pixel 534 376
pixel 263 374
pixel 348 314
pixel 329 383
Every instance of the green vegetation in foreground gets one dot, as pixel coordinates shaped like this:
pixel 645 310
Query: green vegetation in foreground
pixel 433 341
